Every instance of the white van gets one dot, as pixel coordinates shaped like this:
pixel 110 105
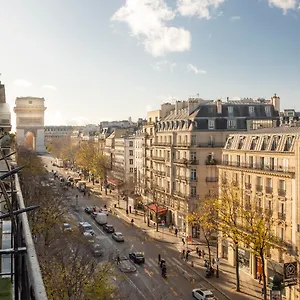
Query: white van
pixel 101 218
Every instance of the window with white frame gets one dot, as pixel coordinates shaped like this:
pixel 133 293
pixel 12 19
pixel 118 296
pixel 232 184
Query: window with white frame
pixel 193 191
pixel 131 161
pixel 130 143
pixel 230 110
pixel 211 124
pixel 231 124
pixel 130 152
pixel 131 170
pixel 193 156
pixel 193 173
pixel 268 111
pixel 251 111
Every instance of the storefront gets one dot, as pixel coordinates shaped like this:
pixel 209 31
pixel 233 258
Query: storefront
pixel 161 212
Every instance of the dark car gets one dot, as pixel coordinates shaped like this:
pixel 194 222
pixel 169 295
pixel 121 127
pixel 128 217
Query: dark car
pixel 96 250
pixel 137 257
pixel 108 228
pixel 88 210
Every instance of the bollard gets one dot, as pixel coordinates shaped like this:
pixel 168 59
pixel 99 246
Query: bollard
pixel 192 264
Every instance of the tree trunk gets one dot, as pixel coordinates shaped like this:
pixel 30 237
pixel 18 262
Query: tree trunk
pixel 237 271
pixel 264 275
pixel 208 247
pixel 156 215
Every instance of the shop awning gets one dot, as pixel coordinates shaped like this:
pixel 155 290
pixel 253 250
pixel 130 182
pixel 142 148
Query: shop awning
pixel 155 208
pixel 115 182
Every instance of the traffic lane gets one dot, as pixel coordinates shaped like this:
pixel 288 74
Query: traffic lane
pixel 138 281
pixel 148 277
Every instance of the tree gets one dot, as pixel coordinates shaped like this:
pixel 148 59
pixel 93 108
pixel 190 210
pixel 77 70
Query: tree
pixel 84 156
pixel 100 166
pixel 206 218
pixel 257 231
pixel 228 209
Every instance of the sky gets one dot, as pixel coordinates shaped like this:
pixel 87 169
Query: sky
pixel 96 60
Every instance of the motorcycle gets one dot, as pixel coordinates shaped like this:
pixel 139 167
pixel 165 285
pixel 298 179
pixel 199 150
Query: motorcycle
pixel 209 272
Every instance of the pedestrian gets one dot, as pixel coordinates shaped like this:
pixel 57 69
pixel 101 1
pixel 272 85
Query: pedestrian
pixel 187 255
pixel 110 191
pixel 197 250
pixel 118 259
pixel 148 222
pixel 262 291
pixel 183 253
pixel 183 242
pixel 176 232
pixel 203 253
pixel 159 258
pixel 199 253
pixel 84 193
pixel 213 260
pixel 259 278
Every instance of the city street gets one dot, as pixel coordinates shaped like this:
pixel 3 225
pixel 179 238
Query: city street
pixel 146 282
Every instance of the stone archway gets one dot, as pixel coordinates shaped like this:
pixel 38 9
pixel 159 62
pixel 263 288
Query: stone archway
pixel 30 120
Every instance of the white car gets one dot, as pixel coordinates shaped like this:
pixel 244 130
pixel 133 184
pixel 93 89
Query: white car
pixel 202 294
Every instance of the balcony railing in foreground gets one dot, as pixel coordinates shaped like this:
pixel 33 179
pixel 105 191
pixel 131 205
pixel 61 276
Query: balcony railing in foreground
pixel 22 268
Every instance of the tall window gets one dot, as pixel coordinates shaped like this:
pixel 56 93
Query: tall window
pixel 193 156
pixel 268 111
pixel 231 124
pixel 193 140
pixel 130 152
pixel 230 111
pixel 193 174
pixel 251 111
pixel 193 191
pixel 211 124
pixel 131 161
pixel 130 143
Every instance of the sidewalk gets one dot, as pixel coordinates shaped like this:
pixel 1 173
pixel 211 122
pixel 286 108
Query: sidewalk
pixel 250 287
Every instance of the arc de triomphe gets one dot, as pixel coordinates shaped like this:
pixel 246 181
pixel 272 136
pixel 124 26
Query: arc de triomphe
pixel 30 118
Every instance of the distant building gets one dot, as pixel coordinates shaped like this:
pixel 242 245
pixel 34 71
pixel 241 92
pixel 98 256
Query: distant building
pixel 61 131
pixel 5 115
pixel 289 117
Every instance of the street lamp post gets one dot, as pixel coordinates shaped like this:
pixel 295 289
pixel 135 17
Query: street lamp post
pixel 217 262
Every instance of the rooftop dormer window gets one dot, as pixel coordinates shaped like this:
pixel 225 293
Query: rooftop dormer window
pixel 241 142
pixel 230 111
pixel 268 111
pixel 275 142
pixel 265 143
pixel 252 111
pixel 288 143
pixel 254 143
pixel 229 143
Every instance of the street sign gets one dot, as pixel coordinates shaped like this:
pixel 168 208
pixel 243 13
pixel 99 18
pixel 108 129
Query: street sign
pixel 290 273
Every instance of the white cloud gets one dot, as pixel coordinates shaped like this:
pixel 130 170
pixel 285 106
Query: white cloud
pixel 164 64
pixel 284 4
pixel 166 98
pixel 49 87
pixel 22 83
pixel 199 8
pixel 235 18
pixel 192 68
pixel 147 20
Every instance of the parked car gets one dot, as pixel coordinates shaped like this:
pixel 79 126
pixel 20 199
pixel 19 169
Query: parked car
pixel 86 228
pixel 202 294
pixel 101 218
pixel 96 250
pixel 137 257
pixel 88 210
pixel 67 227
pixel 118 236
pixel 108 228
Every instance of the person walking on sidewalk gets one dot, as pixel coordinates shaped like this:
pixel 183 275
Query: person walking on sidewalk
pixel 159 258
pixel 183 242
pixel 176 232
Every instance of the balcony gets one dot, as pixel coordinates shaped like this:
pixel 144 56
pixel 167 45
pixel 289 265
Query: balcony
pixel 268 190
pixel 194 179
pixel 158 158
pixel 193 162
pixel 259 167
pixel 211 179
pixel 183 145
pixel 162 144
pixel 281 216
pixel 259 188
pixel 181 161
pixel 281 192
pixel 159 173
pixel 180 194
pixel 248 186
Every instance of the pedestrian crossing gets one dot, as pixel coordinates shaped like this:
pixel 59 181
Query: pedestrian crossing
pixel 170 262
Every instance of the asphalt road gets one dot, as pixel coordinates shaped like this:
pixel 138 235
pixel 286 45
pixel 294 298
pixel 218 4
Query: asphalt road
pixel 146 283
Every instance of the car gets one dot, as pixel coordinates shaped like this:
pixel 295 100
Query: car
pixel 96 249
pixel 104 210
pixel 66 227
pixel 108 228
pixel 137 257
pixel 118 236
pixel 94 214
pixel 202 294
pixel 86 228
pixel 88 210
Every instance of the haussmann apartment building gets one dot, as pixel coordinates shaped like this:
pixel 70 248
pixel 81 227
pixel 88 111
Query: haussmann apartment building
pixel 265 165
pixel 183 145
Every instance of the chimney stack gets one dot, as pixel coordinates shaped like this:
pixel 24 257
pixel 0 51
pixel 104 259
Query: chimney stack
pixel 219 106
